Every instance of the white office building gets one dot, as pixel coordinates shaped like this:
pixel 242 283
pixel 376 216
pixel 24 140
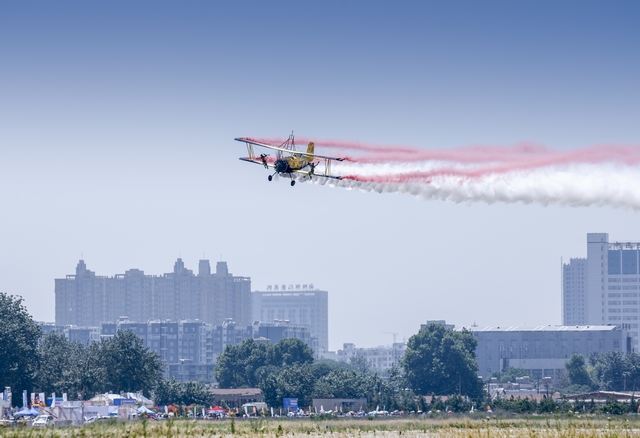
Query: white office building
pixel 300 304
pixel 602 289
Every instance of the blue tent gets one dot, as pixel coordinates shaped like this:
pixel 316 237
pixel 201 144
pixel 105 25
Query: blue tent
pixel 26 413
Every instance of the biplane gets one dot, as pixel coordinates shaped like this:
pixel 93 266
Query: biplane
pixel 288 161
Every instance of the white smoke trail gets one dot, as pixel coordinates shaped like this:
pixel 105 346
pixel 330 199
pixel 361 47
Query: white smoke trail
pixel 601 184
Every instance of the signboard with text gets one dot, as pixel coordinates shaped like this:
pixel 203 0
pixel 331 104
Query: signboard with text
pixel 290 403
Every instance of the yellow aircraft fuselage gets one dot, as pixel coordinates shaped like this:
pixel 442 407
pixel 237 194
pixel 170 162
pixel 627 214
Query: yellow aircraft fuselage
pixel 295 161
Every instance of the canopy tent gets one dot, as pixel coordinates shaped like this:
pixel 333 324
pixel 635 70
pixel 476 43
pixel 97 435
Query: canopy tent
pixel 145 410
pixel 33 412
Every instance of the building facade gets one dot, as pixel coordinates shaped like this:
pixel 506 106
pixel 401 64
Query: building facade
pixel 81 335
pixel 272 332
pixel 603 288
pixel 86 299
pixel 379 359
pixel 302 304
pixel 175 342
pixel 543 350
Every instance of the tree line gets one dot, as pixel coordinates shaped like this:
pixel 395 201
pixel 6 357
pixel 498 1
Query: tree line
pixel 610 371
pixel 37 363
pixel 436 361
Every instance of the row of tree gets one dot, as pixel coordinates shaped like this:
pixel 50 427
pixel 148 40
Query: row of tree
pixel 52 363
pixel 612 371
pixel 436 361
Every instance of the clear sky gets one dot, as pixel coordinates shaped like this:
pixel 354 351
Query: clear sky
pixel 117 122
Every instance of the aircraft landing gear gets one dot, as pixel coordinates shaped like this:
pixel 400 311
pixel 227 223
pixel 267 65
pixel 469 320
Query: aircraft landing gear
pixel 293 183
pixel 270 177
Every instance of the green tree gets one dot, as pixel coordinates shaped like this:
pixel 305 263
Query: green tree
pixel 442 361
pixel 59 365
pixel 94 375
pixel 238 365
pixel 359 363
pixel 19 336
pixel 609 369
pixel 632 371
pixel 322 367
pixel 295 381
pixel 290 351
pixel 402 397
pixel 167 392
pixel 196 393
pixel 509 374
pixel 577 373
pixel 341 383
pixel 129 364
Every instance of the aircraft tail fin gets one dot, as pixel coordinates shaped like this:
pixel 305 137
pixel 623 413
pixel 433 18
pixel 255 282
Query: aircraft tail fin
pixel 310 147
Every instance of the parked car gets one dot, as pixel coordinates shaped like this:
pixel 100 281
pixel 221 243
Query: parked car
pixel 43 421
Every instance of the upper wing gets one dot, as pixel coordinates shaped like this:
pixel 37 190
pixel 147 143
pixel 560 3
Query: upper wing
pixel 276 148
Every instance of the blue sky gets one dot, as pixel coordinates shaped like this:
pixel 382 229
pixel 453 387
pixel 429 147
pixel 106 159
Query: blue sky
pixel 118 121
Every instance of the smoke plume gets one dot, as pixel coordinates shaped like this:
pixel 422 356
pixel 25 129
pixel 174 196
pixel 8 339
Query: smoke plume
pixel 603 175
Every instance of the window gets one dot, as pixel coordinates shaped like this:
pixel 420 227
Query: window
pixel 615 266
pixel 629 262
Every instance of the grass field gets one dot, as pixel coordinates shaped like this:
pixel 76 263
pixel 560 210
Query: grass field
pixel 571 427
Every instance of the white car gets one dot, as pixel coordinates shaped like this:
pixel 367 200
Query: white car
pixel 43 421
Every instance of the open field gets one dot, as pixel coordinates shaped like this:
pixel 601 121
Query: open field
pixel 412 427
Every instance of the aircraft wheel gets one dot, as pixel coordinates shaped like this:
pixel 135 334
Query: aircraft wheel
pixel 270 177
pixel 293 183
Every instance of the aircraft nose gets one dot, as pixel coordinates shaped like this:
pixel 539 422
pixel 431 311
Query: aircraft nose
pixel 280 166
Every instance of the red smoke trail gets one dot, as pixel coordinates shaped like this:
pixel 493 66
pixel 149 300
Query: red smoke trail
pixel 337 144
pixel 596 155
pixel 521 156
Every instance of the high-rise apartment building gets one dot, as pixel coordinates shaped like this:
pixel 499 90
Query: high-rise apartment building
pixel 603 288
pixel 300 305
pixel 86 299
pixel 574 298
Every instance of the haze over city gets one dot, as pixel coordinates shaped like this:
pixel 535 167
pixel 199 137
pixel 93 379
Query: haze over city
pixel 117 148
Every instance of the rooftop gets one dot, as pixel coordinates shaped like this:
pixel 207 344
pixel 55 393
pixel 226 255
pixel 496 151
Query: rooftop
pixel 545 328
